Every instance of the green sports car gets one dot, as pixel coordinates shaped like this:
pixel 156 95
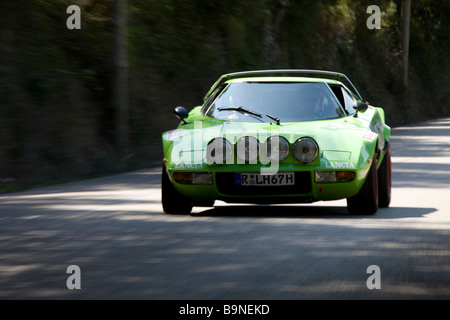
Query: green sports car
pixel 278 136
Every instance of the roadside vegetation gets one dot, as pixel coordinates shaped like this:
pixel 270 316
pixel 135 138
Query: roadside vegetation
pixel 57 114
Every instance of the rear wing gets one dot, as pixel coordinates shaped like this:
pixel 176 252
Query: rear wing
pixel 282 72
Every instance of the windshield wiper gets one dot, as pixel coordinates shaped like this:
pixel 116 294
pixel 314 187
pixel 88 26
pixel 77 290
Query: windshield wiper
pixel 241 110
pixel 273 118
pixel 253 113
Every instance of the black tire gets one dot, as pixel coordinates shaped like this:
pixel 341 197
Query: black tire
pixel 366 201
pixel 172 201
pixel 385 180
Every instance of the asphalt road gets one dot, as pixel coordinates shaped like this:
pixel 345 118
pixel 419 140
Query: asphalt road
pixel 114 230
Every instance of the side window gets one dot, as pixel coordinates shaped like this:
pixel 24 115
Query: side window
pixel 349 101
pixel 338 93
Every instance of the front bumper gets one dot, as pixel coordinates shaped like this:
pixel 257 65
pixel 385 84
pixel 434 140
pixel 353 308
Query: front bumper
pixel 305 190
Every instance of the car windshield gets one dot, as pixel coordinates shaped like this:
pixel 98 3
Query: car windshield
pixel 287 101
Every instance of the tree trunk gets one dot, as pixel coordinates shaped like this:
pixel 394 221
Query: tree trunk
pixel 121 76
pixel 406 15
pixel 272 50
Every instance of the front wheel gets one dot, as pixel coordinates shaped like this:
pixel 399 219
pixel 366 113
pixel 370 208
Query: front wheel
pixel 366 201
pixel 172 201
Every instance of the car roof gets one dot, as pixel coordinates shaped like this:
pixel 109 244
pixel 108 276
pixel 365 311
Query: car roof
pixel 279 75
pixel 281 79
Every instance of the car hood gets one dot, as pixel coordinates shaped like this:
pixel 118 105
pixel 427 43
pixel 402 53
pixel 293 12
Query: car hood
pixel 338 139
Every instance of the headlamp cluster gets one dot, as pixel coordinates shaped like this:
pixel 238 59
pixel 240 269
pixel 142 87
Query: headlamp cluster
pixel 248 150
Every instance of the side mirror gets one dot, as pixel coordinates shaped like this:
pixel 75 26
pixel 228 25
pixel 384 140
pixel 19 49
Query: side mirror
pixel 360 107
pixel 181 113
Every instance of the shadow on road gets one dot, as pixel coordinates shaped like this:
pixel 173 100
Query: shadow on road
pixel 320 212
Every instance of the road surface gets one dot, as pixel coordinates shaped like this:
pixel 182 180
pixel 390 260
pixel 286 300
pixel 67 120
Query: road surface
pixel 114 230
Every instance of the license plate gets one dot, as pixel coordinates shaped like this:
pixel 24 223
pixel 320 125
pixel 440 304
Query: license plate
pixel 256 179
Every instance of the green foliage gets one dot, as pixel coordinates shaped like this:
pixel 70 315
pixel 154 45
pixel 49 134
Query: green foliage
pixel 57 115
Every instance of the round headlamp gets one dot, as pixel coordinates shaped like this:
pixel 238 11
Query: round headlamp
pixel 247 149
pixel 218 151
pixel 305 150
pixel 277 148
